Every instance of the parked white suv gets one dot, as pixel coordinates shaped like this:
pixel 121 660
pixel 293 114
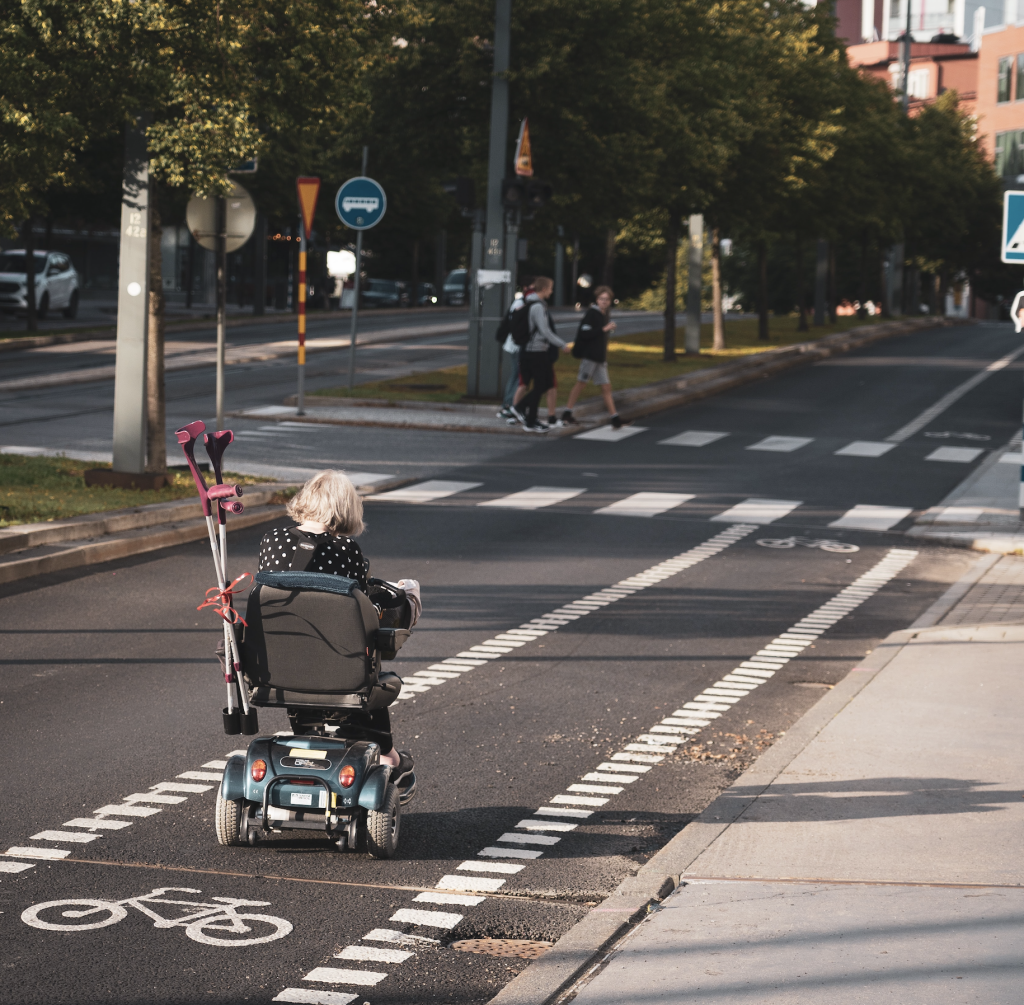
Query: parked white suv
pixel 56 283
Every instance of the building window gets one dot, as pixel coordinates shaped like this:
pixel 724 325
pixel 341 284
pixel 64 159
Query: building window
pixel 1019 91
pixel 1010 154
pixel 917 83
pixel 1003 90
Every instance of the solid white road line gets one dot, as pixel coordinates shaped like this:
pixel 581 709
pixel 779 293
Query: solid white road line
pixel 646 503
pixel 52 854
pixel 484 884
pixel 75 837
pixel 866 517
pixel 955 455
pixel 692 438
pixel 492 852
pixel 933 411
pixel 529 838
pixel 505 867
pixel 16 866
pixel 865 448
pixel 400 938
pixel 759 511
pixel 431 897
pixel 536 497
pixel 609 434
pixel 781 444
pixel 959 514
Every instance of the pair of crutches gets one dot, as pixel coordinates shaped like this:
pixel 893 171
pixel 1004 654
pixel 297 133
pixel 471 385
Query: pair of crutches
pixel 239 717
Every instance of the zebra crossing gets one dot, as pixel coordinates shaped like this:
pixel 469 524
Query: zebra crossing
pixel 755 510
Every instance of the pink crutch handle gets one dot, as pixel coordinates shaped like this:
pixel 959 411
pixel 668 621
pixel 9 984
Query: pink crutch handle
pixel 224 491
pixel 187 437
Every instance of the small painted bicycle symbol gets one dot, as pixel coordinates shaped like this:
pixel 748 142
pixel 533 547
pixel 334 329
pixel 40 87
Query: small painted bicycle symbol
pixel 824 544
pixel 217 924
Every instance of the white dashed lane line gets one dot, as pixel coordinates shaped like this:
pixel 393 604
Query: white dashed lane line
pixel 609 778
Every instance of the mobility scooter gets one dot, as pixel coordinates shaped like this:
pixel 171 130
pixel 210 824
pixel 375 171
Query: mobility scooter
pixel 312 644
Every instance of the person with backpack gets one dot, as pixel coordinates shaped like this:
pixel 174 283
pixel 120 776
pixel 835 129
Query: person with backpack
pixel 591 348
pixel 513 348
pixel 535 360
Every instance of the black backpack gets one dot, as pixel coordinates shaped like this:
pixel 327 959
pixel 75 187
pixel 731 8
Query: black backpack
pixel 515 323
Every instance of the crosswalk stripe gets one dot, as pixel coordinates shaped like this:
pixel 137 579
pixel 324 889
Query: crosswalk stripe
pixel 536 497
pixel 427 491
pixel 865 448
pixel 781 444
pixel 866 517
pixel 646 503
pixel 692 438
pixel 759 511
pixel 609 434
pixel 958 455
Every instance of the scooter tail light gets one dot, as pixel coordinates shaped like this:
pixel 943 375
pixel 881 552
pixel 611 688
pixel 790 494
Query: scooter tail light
pixel 347 776
pixel 259 770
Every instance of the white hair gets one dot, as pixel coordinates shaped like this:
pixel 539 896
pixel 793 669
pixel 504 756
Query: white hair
pixel 331 499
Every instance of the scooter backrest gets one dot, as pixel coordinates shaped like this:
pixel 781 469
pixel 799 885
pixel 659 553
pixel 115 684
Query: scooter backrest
pixel 309 632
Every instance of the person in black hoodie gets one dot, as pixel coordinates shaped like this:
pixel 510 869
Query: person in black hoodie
pixel 591 348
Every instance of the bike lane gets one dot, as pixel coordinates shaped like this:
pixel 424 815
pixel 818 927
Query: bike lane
pixel 491 748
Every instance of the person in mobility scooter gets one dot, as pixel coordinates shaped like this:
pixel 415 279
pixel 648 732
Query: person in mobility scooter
pixel 312 644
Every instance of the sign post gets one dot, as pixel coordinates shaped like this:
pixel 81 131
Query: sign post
pixel 309 191
pixel 221 225
pixel 360 204
pixel 1013 252
pixel 132 306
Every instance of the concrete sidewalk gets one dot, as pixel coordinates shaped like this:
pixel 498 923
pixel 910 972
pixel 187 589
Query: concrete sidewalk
pixel 883 862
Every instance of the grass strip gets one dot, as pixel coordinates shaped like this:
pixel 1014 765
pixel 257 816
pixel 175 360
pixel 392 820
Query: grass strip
pixel 43 489
pixel 633 360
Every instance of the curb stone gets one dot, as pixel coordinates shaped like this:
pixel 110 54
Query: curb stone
pixel 139 539
pixel 637 895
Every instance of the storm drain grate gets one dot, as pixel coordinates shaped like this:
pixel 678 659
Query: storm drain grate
pixel 525 949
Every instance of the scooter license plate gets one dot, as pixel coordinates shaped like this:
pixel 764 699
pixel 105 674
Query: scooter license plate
pixel 302 799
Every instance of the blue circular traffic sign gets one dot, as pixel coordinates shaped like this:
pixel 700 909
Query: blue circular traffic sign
pixel 360 203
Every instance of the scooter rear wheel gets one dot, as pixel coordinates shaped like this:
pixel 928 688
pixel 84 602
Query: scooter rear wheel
pixel 382 825
pixel 227 818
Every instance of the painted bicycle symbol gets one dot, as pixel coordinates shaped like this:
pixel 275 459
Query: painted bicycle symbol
pixel 216 924
pixel 840 547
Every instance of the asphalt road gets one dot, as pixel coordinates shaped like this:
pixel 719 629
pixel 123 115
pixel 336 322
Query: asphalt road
pixel 108 687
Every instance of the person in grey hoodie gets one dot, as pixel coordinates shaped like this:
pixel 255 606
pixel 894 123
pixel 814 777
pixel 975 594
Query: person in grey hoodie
pixel 535 364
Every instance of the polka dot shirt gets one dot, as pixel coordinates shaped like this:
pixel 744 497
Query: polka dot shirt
pixel 340 556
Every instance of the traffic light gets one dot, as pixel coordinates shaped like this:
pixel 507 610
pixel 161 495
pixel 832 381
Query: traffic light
pixel 525 194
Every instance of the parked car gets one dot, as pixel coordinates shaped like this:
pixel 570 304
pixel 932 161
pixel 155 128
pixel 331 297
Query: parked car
pixel 56 283
pixel 426 294
pixel 455 292
pixel 384 293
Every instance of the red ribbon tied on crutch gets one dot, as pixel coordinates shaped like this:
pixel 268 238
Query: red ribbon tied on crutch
pixel 220 600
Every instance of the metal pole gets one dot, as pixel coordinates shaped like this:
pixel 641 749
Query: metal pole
pixel 575 269
pixel 494 298
pixel 473 346
pixel 905 73
pixel 222 293
pixel 303 243
pixel 355 295
pixel 695 279
pixel 820 280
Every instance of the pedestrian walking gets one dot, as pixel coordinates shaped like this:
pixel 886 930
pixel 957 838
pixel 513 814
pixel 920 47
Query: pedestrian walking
pixel 509 345
pixel 535 363
pixel 591 348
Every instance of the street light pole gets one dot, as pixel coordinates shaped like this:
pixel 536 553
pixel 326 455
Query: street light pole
pixel 906 63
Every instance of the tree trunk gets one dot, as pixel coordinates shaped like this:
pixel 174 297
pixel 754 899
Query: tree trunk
pixel 671 249
pixel 608 272
pixel 862 290
pixel 31 322
pixel 190 266
pixel 883 275
pixel 762 291
pixel 718 324
pixel 156 436
pixel 415 271
pixel 801 287
pixel 831 287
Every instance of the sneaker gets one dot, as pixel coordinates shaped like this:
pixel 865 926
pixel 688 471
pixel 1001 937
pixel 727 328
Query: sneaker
pixel 567 419
pixel 505 413
pixel 517 415
pixel 539 428
pixel 511 422
pixel 554 422
pixel 616 421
